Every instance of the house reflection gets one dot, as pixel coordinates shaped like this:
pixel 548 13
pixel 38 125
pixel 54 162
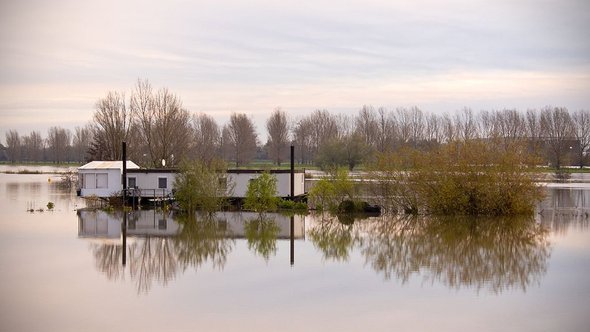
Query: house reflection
pixel 160 245
pixel 494 254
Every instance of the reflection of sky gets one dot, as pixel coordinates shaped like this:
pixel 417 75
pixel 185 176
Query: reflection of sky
pixel 50 283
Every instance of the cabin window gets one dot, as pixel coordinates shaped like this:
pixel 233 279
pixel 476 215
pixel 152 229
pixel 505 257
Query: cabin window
pixel 102 180
pixel 223 182
pixel 162 183
pixel 162 224
pixel 131 182
pixel 89 181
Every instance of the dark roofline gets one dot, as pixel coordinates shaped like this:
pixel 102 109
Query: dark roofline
pixel 230 171
pixel 258 171
pixel 153 170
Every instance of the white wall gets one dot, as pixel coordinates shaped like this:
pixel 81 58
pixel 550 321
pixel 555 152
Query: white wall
pixel 241 180
pixel 147 182
pixel 92 177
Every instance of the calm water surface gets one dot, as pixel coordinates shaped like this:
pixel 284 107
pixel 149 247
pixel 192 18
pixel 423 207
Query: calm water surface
pixel 63 270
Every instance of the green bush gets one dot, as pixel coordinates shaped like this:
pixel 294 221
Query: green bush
pixel 467 178
pixel 201 186
pixel 261 195
pixel 329 192
pixel 286 204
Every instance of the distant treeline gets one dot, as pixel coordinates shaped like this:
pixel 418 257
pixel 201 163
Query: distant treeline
pixel 157 127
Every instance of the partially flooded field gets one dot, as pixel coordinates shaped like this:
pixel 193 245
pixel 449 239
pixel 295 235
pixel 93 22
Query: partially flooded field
pixel 72 269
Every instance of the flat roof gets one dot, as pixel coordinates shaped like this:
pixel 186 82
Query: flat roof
pixel 113 164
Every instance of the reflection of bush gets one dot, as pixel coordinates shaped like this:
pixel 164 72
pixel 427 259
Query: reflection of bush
pixel 262 236
pixel 493 253
pixel 201 241
pixel 333 238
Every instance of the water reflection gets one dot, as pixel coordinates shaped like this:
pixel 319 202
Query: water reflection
pixel 496 254
pixel 262 233
pixel 202 240
pixel 332 238
pixel 163 245
pixel 564 208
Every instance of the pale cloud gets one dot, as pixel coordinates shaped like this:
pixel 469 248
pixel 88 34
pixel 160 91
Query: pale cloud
pixel 223 56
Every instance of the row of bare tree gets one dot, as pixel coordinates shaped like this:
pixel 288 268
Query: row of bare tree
pixel 552 132
pixel 157 127
pixel 61 145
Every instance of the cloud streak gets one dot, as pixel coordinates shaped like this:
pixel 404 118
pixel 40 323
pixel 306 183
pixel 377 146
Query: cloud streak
pixel 223 56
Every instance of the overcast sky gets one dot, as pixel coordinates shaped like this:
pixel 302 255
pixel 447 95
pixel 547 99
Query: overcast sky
pixel 57 58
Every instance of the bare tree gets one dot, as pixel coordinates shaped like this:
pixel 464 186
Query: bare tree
pixel 557 128
pixel 32 147
pixel 449 130
pixel 533 131
pixel 386 130
pixel 241 138
pixel 324 128
pixel 163 124
pixel 403 121
pixel 206 138
pixel 112 124
pixel 510 125
pixel 465 125
pixel 278 136
pixel 485 121
pixel 434 129
pixel 81 142
pixel 170 129
pixel 354 145
pixel 13 145
pixel 581 121
pixel 302 135
pixel 58 143
pixel 416 117
pixel 142 106
pixel 367 126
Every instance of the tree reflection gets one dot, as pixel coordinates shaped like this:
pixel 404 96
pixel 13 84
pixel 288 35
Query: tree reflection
pixel 201 241
pixel 160 258
pixel 261 234
pixel 498 254
pixel 151 259
pixel 333 238
pixel 108 260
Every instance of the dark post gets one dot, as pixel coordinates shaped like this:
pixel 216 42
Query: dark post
pixel 124 176
pixel 292 240
pixel 292 172
pixel 124 231
pixel 124 223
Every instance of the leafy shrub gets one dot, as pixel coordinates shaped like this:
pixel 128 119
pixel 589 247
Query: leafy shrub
pixel 467 178
pixel 329 192
pixel 261 195
pixel 286 204
pixel 200 186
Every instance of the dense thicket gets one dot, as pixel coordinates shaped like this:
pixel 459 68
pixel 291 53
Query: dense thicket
pixel 464 177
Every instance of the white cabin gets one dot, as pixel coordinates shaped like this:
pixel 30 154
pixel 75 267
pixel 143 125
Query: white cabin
pixel 103 179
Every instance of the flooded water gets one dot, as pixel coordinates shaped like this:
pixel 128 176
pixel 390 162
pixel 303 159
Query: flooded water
pixel 72 269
